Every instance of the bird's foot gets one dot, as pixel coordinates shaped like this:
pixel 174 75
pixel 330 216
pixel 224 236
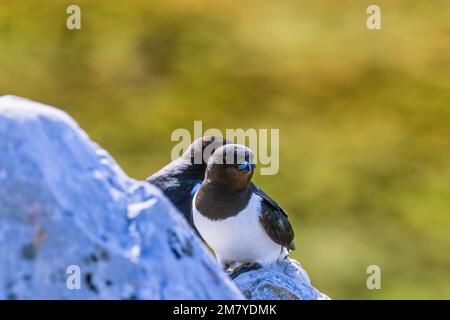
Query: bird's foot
pixel 246 267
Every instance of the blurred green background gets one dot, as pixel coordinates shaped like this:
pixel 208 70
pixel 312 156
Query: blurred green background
pixel 364 116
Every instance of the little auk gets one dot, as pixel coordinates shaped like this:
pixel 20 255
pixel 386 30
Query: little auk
pixel 241 223
pixel 180 179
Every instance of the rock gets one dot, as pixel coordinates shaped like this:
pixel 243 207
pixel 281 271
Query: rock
pixel 69 215
pixel 285 280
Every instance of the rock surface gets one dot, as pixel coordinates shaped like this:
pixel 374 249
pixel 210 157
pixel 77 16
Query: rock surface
pixel 65 202
pixel 285 280
pixel 73 225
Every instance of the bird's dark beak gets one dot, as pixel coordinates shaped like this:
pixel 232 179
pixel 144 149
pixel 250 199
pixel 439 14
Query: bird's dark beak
pixel 246 166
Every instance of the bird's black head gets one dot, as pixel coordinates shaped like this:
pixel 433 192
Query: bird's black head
pixel 201 149
pixel 231 166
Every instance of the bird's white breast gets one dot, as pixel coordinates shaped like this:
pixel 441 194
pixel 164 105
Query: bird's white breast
pixel 240 238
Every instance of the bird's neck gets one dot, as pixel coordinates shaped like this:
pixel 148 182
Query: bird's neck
pixel 218 202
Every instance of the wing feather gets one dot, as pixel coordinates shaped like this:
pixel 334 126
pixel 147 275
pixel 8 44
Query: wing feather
pixel 275 221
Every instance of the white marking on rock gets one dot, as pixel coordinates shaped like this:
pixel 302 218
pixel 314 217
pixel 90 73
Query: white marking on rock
pixel 135 209
pixel 135 253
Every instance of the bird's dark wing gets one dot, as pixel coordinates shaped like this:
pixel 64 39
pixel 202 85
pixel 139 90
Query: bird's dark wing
pixel 275 221
pixel 177 180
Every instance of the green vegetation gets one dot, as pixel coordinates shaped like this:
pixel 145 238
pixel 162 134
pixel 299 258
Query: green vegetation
pixel 364 116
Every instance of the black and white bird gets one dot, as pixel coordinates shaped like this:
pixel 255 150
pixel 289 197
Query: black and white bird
pixel 180 179
pixel 241 223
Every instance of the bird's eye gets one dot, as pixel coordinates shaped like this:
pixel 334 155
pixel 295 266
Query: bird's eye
pixel 246 166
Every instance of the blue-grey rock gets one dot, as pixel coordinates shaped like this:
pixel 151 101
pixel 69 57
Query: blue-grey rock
pixel 66 204
pixel 285 280
pixel 67 207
